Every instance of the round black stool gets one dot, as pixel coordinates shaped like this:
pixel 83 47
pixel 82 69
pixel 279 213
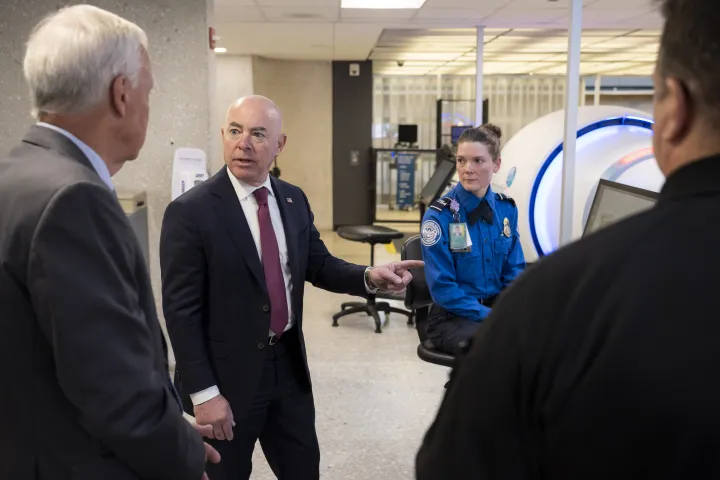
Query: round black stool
pixel 373 235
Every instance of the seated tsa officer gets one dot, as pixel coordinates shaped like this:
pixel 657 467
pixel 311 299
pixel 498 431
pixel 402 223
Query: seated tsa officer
pixel 470 243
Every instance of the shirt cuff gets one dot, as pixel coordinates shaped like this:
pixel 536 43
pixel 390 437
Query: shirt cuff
pixel 367 282
pixel 205 395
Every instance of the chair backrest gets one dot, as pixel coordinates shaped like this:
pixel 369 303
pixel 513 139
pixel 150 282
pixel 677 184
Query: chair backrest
pixel 417 294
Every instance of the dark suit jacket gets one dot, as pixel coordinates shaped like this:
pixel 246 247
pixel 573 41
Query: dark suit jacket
pixel 85 391
pixel 214 295
pixel 601 361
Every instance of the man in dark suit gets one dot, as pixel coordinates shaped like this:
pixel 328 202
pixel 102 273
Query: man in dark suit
pixel 86 392
pixel 601 362
pixel 235 252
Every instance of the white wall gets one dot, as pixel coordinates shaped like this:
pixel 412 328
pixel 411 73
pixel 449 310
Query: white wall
pixel 303 91
pixel 234 79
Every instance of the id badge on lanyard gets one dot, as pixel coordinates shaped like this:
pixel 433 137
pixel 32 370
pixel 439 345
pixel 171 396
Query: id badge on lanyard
pixel 459 235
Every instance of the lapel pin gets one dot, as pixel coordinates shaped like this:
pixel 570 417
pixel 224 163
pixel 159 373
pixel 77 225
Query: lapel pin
pixel 289 200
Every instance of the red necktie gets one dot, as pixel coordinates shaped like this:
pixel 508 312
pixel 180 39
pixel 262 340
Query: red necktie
pixel 271 265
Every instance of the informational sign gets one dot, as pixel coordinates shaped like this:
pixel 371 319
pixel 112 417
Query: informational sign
pixel 405 163
pixel 189 169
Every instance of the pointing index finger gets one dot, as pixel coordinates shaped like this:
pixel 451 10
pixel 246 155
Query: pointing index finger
pixel 408 264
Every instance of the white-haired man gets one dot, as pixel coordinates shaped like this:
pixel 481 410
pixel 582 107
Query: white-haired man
pixel 86 392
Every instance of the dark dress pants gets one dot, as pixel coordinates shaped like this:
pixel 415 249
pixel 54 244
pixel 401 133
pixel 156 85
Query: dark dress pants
pixel 282 417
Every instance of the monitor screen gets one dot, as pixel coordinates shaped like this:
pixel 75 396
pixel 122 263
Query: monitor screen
pixel 407 133
pixel 457 130
pixel 438 181
pixel 614 201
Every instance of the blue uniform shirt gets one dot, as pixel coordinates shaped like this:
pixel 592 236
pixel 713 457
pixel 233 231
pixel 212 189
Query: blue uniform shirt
pixel 458 281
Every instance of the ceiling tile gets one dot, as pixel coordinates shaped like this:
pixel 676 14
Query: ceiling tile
pixel 354 42
pixel 541 4
pixel 610 15
pixel 229 4
pixel 296 3
pixel 447 4
pixel 371 14
pixel 525 16
pixel 619 4
pixel 240 14
pixel 302 14
pixel 286 40
pixel 461 14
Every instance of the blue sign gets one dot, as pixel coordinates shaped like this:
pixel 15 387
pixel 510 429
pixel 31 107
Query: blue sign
pixel 405 163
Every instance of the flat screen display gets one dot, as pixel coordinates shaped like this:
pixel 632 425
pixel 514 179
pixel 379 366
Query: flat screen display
pixel 457 130
pixel 407 133
pixel 438 181
pixel 614 201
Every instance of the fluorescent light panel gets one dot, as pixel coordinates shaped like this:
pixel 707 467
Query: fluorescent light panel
pixel 382 4
pixel 220 49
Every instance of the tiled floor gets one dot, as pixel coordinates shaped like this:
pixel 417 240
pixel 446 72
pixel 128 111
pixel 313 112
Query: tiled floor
pixel 374 398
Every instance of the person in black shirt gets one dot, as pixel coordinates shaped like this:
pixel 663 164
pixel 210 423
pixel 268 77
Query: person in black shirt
pixel 601 361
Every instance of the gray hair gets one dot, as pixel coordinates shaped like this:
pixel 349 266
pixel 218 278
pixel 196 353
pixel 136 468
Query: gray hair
pixel 74 54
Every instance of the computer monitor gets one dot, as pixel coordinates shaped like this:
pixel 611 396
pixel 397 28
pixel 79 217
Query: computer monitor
pixel 407 134
pixel 456 131
pixel 438 181
pixel 614 201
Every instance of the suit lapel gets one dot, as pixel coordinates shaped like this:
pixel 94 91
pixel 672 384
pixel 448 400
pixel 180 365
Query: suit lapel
pixel 232 216
pixel 287 204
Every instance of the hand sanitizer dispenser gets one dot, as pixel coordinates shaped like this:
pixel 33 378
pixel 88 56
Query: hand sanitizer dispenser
pixel 189 169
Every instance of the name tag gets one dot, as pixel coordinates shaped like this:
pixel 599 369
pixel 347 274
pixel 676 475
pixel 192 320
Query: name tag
pixel 459 238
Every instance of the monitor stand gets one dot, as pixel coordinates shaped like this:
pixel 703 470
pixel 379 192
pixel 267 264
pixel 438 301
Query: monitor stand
pixel 440 179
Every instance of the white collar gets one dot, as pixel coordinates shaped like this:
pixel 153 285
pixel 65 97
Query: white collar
pixel 244 190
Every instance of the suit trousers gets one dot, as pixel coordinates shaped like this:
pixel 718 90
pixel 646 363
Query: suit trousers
pixel 282 417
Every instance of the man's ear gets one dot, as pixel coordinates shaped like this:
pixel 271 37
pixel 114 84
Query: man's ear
pixel 679 110
pixel 119 95
pixel 281 142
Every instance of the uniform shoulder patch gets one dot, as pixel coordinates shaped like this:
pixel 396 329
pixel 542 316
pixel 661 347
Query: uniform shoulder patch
pixel 441 203
pixel 430 233
pixel 505 198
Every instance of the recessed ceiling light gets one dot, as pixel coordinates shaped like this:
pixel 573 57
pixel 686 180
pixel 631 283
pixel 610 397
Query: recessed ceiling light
pixel 381 4
pixel 220 49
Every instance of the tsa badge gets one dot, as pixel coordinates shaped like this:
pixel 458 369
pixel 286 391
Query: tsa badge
pixel 506 227
pixel 454 206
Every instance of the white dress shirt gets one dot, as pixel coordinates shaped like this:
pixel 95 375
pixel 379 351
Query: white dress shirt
pixel 250 208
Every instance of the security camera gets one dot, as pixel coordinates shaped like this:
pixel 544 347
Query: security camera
pixel 401 63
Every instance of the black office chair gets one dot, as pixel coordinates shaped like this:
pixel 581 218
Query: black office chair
pixel 418 299
pixel 373 235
